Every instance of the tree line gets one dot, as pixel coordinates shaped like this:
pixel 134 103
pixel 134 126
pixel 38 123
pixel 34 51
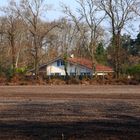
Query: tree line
pixel 94 30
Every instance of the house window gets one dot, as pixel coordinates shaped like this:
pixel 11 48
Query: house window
pixel 73 74
pixel 88 73
pixel 57 74
pixel 60 63
pixel 85 73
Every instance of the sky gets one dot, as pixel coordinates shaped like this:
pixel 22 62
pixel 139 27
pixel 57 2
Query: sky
pixel 55 11
pixel 2 1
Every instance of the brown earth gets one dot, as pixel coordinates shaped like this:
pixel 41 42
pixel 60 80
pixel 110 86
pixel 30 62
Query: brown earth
pixel 73 112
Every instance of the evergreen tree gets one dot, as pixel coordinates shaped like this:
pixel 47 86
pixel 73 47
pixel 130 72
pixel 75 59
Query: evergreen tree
pixel 101 56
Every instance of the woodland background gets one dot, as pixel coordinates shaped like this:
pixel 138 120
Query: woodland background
pixel 99 30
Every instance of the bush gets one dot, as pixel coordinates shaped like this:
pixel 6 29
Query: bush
pixel 2 71
pixel 21 70
pixel 134 71
pixel 9 72
pixel 73 80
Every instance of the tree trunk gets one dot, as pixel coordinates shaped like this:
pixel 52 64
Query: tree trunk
pixel 116 44
pixel 17 58
pixel 36 64
pixel 66 71
pixel 13 54
pixel 93 67
pixel 36 45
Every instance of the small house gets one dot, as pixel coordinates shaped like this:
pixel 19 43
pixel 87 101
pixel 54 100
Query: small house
pixel 75 66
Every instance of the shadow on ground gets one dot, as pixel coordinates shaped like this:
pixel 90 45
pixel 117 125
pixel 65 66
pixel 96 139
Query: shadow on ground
pixel 95 119
pixel 93 130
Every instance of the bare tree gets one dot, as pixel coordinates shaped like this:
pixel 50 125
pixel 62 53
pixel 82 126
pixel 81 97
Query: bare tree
pixel 11 29
pixel 31 13
pixel 136 8
pixel 3 41
pixel 88 24
pixel 120 13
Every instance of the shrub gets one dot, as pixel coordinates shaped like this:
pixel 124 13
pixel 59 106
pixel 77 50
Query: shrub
pixel 134 71
pixel 22 70
pixel 9 72
pixel 2 71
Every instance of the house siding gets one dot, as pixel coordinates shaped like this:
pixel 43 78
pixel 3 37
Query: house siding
pixel 52 69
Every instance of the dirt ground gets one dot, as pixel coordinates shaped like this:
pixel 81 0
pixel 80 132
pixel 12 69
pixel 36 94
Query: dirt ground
pixel 74 112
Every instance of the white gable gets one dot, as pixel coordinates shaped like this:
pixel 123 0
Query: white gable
pixel 55 69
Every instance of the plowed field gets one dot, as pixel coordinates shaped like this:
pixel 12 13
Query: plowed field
pixel 70 112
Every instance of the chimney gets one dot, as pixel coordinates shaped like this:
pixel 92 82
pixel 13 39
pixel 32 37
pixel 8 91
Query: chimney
pixel 72 55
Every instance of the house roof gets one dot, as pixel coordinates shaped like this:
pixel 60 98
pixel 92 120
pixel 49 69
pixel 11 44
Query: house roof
pixel 102 68
pixel 83 62
pixel 88 63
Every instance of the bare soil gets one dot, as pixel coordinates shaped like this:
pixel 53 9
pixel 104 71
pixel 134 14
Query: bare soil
pixel 73 112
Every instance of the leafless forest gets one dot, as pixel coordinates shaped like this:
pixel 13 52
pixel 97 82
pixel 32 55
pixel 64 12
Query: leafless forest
pixel 100 30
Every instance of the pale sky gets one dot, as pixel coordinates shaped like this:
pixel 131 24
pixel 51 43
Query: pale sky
pixel 55 12
pixel 2 2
